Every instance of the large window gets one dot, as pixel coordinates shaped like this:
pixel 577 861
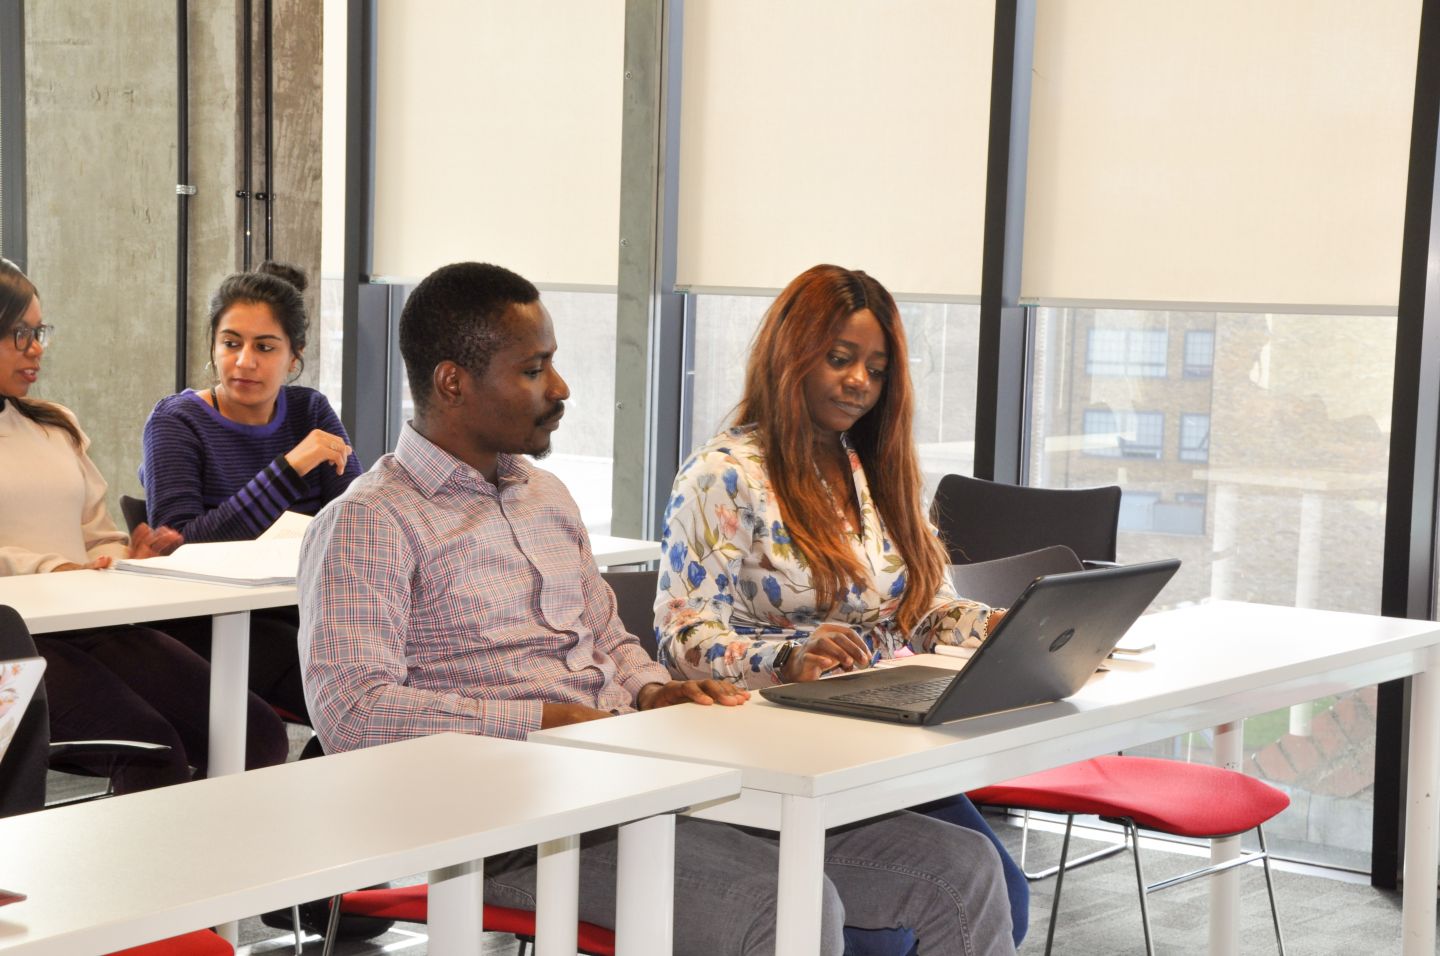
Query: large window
pixel 942 339
pixel 582 451
pixel 1138 352
pixel 1269 485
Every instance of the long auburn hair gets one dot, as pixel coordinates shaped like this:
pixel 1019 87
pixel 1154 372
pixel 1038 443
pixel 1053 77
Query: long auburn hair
pixel 16 294
pixel 798 330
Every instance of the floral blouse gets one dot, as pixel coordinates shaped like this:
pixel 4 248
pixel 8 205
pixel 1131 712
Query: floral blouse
pixel 733 588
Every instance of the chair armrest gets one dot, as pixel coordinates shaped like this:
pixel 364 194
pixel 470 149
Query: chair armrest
pixel 64 750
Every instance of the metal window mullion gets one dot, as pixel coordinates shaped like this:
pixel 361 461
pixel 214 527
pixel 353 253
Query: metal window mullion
pixel 1006 327
pixel 650 317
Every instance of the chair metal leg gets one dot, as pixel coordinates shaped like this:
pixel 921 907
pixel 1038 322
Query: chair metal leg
pixel 332 926
pixel 1270 890
pixel 1059 884
pixel 1035 876
pixel 1134 834
pixel 299 930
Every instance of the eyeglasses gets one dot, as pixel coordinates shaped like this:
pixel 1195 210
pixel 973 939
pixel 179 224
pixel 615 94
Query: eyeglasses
pixel 25 334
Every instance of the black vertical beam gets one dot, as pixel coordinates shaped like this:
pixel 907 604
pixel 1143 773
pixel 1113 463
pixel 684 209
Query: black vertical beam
pixel 247 123
pixel 1408 582
pixel 1000 378
pixel 12 114
pixel 363 393
pixel 269 197
pixel 183 191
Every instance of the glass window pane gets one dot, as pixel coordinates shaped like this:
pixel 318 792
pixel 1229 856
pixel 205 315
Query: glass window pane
pixel 943 338
pixel 1249 462
pixel 582 452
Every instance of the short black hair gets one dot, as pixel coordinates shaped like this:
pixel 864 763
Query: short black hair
pixel 274 284
pixel 457 313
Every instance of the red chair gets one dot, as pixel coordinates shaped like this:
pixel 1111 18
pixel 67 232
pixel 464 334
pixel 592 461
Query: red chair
pixel 1191 800
pixel 410 904
pixel 199 943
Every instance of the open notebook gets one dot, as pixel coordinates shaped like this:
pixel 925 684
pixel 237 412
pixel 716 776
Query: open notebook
pixel 243 563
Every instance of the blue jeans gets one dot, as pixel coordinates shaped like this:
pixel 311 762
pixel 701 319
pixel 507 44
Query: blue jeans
pixel 903 869
pixel 961 812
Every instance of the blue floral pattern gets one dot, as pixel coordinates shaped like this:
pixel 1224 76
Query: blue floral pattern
pixel 740 587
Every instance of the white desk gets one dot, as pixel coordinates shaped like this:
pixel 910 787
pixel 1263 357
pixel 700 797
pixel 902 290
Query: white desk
pixel 610 552
pixel 116 873
pixel 80 599
pixel 1213 664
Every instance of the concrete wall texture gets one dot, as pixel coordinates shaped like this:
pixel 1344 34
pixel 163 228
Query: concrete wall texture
pixel 101 128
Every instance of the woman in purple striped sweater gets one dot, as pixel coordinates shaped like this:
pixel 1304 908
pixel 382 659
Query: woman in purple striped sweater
pixel 223 463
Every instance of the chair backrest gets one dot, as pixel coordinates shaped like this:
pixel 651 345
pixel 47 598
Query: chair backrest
pixel 983 520
pixel 22 773
pixel 133 509
pixel 999 582
pixel 635 603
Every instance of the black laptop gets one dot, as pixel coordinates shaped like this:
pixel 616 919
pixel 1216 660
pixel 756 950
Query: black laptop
pixel 1045 649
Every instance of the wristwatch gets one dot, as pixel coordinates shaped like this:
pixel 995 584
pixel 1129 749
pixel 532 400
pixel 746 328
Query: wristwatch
pixel 781 656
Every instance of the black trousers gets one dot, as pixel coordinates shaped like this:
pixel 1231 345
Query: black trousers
pixel 274 655
pixel 137 683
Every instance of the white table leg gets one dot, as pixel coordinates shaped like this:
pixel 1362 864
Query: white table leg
pixel 1422 826
pixel 1225 887
pixel 229 683
pixel 557 897
pixel 802 875
pixel 457 909
pixel 645 890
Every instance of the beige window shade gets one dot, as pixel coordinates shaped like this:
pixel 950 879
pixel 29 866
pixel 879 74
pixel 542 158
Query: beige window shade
pixel 497 137
pixel 846 131
pixel 1227 152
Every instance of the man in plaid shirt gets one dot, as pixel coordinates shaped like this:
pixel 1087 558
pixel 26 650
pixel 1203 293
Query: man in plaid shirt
pixel 452 588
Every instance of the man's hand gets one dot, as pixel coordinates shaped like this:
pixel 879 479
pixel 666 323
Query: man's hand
pixel 558 715
pixel 829 647
pixel 704 692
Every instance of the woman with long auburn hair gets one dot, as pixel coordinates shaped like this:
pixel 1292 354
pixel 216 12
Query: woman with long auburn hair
pixel 795 541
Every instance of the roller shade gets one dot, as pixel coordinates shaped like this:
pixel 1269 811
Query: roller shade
pixel 1226 152
pixel 497 137
pixel 846 131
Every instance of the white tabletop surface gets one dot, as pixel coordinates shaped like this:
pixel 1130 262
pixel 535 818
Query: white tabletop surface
pixel 610 551
pixel 119 872
pixel 1213 663
pixel 78 599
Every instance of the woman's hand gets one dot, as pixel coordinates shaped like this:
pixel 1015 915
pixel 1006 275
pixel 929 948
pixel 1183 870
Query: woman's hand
pixel 316 448
pixel 99 564
pixel 148 543
pixel 829 647
pixel 997 614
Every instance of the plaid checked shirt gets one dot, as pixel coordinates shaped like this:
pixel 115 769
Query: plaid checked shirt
pixel 431 600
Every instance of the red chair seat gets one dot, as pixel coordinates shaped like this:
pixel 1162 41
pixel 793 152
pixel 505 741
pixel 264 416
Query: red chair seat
pixel 410 904
pixel 1191 800
pixel 199 943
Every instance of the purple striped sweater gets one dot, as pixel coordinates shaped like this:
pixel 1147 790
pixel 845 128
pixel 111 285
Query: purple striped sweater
pixel 212 479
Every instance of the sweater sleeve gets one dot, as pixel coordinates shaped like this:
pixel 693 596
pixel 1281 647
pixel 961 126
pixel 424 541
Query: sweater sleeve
pixel 173 450
pixel 333 484
pixel 102 537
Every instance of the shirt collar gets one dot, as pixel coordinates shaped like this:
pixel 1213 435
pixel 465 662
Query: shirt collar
pixel 432 467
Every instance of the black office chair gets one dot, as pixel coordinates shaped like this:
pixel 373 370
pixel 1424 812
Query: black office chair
pixel 133 510
pixel 984 520
pixel 635 603
pixel 31 752
pixel 999 582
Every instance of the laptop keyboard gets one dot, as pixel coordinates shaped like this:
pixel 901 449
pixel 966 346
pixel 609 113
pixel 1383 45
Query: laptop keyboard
pixel 899 695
